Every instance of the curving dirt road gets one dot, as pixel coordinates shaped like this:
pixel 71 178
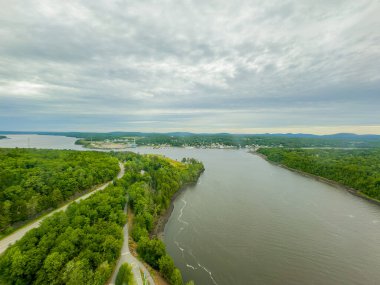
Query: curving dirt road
pixel 127 257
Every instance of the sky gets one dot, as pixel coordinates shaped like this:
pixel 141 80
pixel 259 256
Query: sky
pixel 190 65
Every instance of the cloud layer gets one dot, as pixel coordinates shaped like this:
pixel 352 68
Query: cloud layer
pixel 203 66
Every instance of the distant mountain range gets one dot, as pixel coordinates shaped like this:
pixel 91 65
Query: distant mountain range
pixel 187 134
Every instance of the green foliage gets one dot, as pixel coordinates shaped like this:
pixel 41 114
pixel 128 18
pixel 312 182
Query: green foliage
pixel 176 278
pixel 358 169
pixel 81 245
pixel 236 140
pixel 78 246
pixel 125 275
pixel 151 181
pixel 167 269
pixel 151 250
pixel 83 142
pixel 261 140
pixel 36 180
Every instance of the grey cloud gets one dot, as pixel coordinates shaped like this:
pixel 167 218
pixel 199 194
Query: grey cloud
pixel 304 62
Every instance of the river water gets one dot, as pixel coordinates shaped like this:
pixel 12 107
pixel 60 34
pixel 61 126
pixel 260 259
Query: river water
pixel 40 141
pixel 250 222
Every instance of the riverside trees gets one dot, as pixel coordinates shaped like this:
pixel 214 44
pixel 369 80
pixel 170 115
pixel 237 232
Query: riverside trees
pixel 355 168
pixel 151 183
pixel 36 180
pixel 235 140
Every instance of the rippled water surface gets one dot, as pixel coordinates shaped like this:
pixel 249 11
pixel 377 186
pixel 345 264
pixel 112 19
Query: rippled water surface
pixel 250 222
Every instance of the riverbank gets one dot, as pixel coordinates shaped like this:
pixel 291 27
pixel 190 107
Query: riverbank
pixel 110 145
pixel 333 183
pixel 159 228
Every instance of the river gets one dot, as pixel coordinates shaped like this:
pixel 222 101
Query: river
pixel 250 222
pixel 40 141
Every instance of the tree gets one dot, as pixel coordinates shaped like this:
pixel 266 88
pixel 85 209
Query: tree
pixel 151 250
pixel 176 278
pixel 77 246
pixel 56 198
pixel 82 244
pixel 34 180
pixel 125 275
pixel 166 266
pixel 77 273
pixel 5 214
pixel 51 268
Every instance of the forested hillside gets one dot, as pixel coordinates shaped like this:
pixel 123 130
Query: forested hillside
pixel 36 180
pixel 151 182
pixel 358 169
pixel 81 245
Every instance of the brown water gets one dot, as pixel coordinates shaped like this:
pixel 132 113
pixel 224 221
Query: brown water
pixel 250 222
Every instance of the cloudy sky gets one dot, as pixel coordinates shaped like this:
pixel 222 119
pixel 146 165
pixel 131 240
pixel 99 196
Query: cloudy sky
pixel 190 65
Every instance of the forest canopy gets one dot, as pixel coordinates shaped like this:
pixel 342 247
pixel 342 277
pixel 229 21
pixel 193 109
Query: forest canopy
pixel 151 181
pixel 35 180
pixel 79 246
pixel 355 168
pixel 82 244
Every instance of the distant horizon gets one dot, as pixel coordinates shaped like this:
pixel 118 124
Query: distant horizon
pixel 4 132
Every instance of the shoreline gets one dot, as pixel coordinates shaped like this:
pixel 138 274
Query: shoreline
pixel 88 145
pixel 333 183
pixel 159 228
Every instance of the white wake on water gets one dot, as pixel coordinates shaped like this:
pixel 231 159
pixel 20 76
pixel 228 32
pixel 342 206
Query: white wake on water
pixel 200 266
pixel 190 266
pixel 209 272
pixel 179 218
pixel 181 213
